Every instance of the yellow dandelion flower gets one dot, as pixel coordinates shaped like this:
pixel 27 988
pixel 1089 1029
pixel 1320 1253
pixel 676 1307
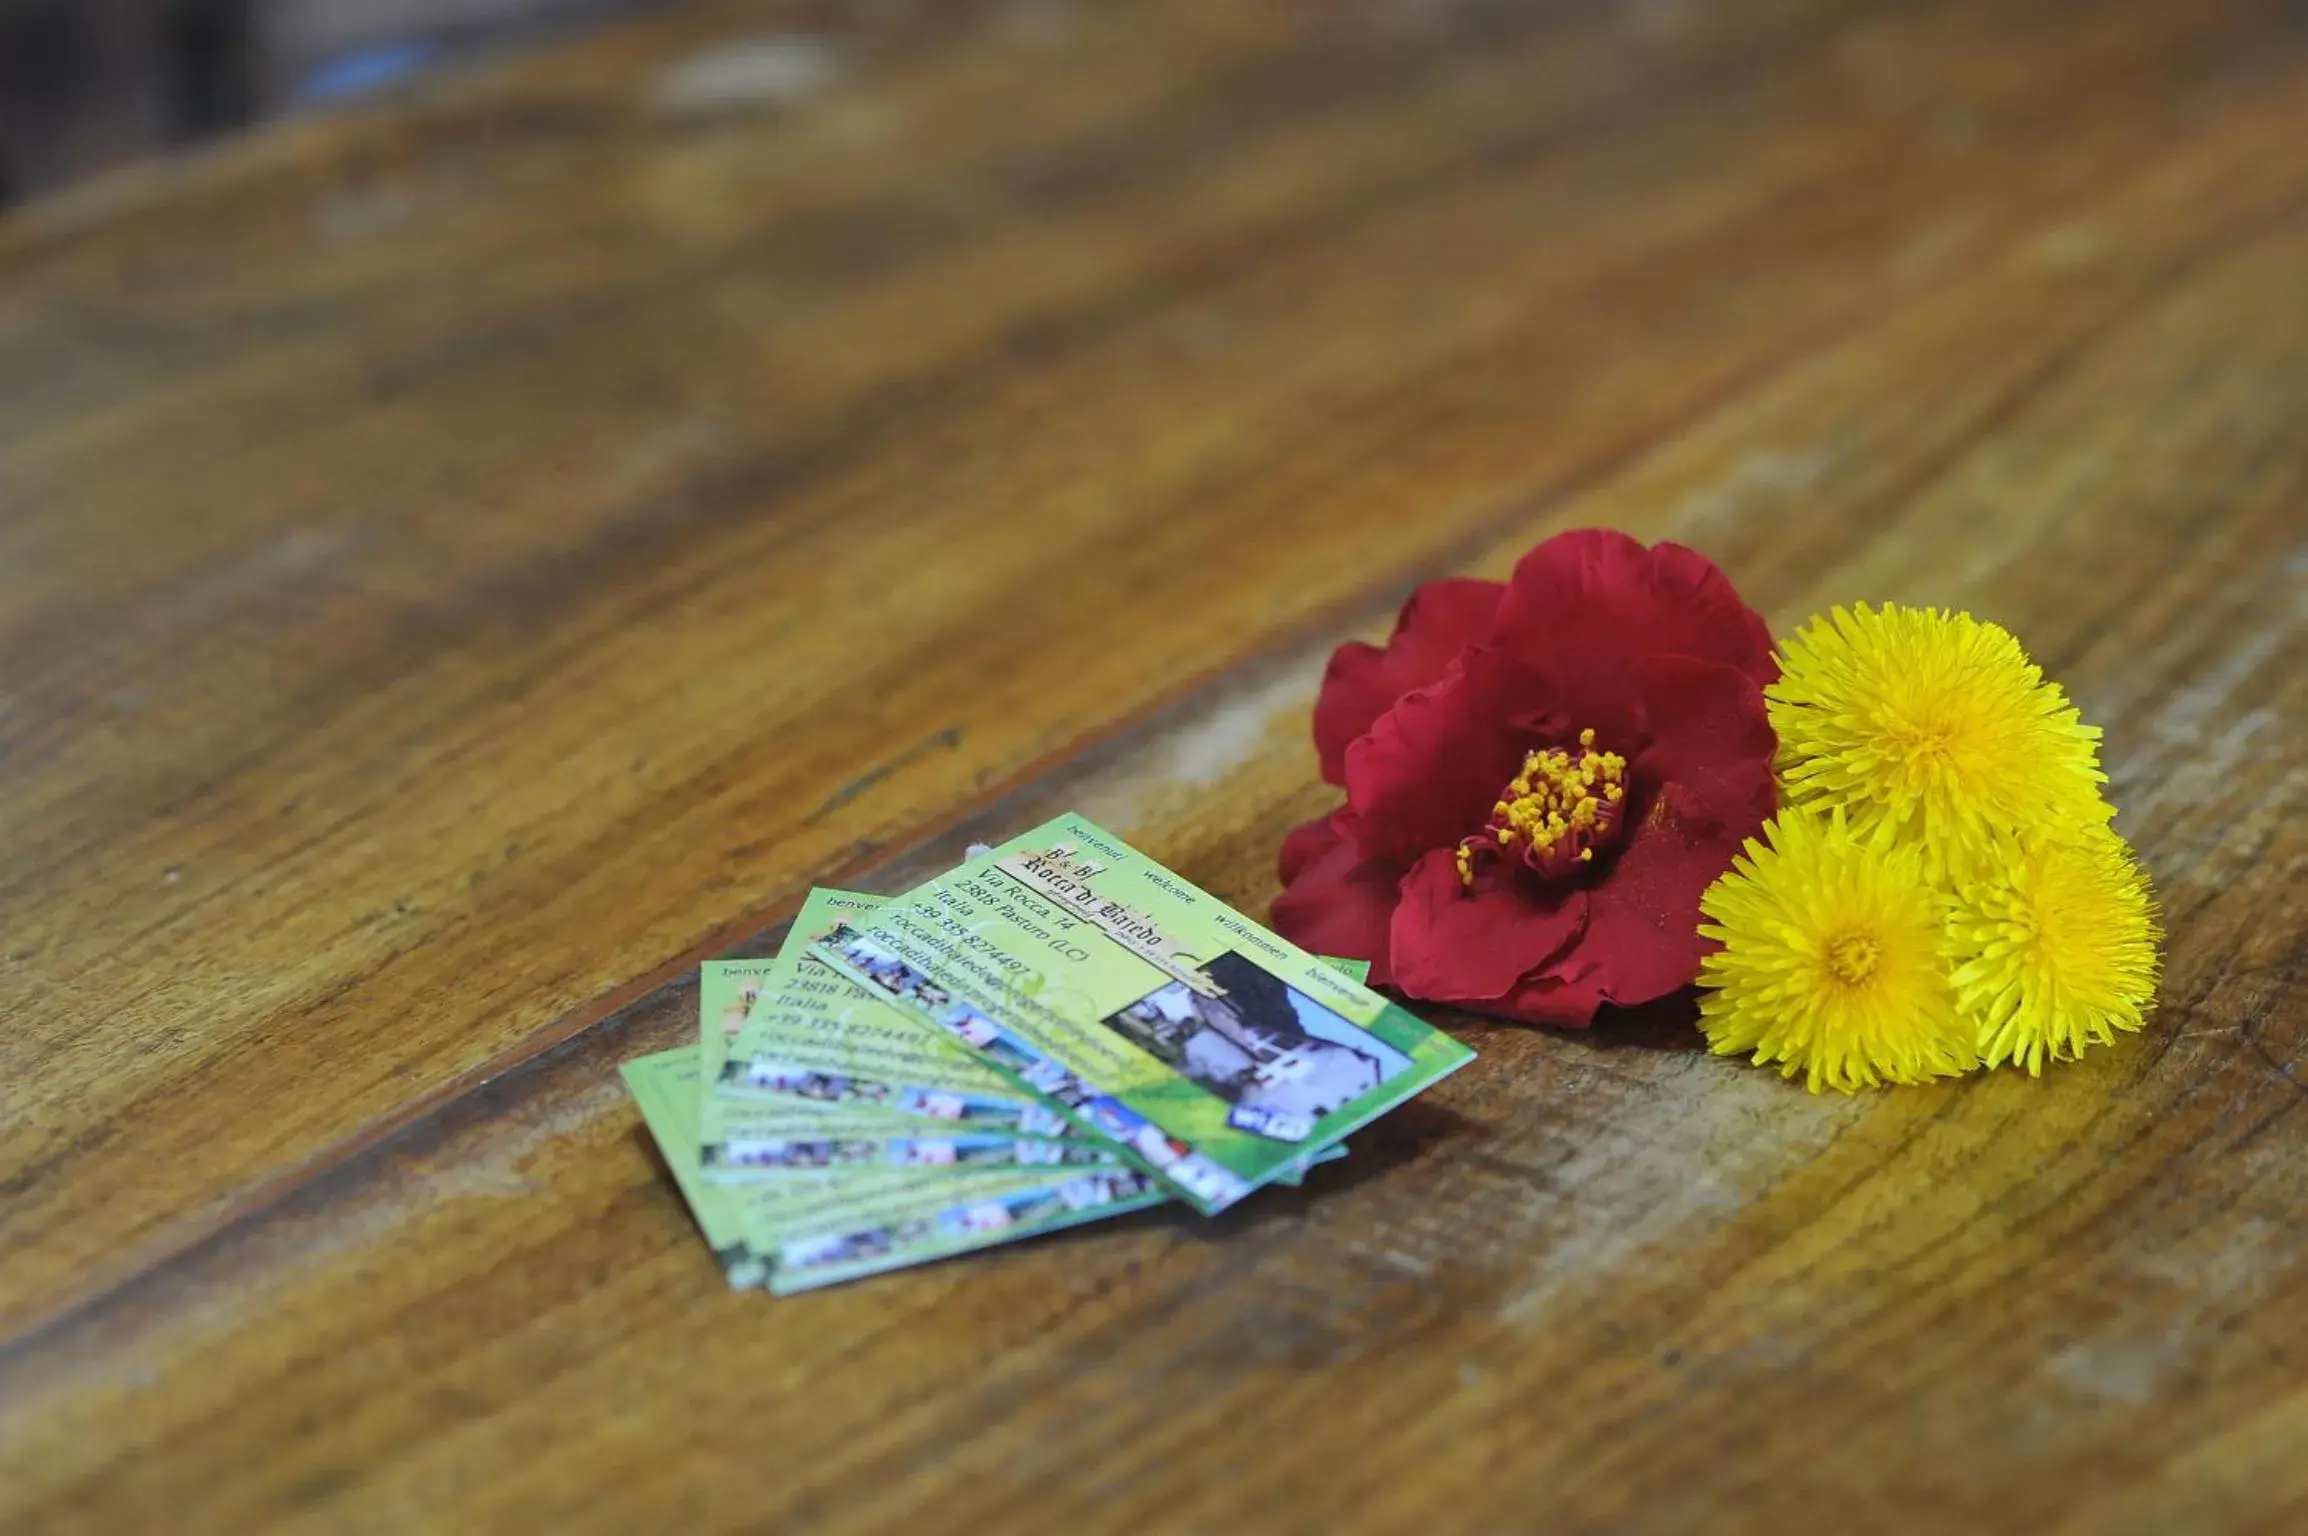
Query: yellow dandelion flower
pixel 2060 935
pixel 1933 726
pixel 1835 959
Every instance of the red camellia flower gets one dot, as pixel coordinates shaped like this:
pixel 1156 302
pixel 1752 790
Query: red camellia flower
pixel 1542 776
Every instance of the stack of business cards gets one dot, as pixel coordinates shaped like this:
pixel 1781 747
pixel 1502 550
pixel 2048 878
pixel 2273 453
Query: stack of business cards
pixel 1058 1031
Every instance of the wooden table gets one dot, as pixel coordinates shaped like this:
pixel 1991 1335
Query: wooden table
pixel 463 563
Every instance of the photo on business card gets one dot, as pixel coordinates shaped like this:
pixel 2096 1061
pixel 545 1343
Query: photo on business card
pixel 768 1075
pixel 886 971
pixel 982 1035
pixel 780 1152
pixel 1281 1059
pixel 851 1247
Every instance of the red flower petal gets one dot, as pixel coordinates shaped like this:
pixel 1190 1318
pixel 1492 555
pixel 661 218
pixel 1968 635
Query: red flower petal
pixel 1453 945
pixel 1597 599
pixel 1431 768
pixel 1362 682
pixel 1304 844
pixel 1335 902
pixel 1643 924
pixel 1711 737
pixel 1550 999
pixel 1710 755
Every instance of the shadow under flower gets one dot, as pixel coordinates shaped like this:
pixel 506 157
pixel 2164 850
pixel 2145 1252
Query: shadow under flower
pixel 1670 1023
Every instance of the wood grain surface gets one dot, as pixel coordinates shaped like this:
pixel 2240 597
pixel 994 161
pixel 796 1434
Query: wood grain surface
pixel 464 562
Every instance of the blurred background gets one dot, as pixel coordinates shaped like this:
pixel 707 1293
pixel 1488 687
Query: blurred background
pixel 86 84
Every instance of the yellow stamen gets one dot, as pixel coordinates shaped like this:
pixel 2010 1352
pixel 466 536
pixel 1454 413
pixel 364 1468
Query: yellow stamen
pixel 1852 958
pixel 1559 806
